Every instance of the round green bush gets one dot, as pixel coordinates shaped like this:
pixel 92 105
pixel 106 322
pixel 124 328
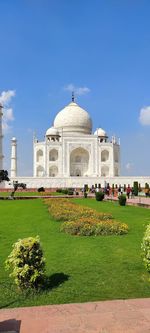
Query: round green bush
pixel 64 191
pixel 99 196
pixel 41 189
pixel 146 248
pixel 70 192
pixel 59 190
pixel 27 263
pixel 122 199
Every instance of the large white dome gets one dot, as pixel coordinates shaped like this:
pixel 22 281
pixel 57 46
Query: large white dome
pixel 73 119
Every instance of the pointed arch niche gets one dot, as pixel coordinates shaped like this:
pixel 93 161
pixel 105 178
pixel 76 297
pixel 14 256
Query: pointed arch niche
pixel 39 171
pixel 104 155
pixel 53 155
pixel 39 156
pixel 79 162
pixel 53 171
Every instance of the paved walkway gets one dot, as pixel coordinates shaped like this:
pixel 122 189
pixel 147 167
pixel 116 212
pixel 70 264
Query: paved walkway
pixel 139 201
pixel 120 316
pixel 136 201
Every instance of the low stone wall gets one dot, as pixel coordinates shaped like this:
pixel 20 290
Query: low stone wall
pixel 76 182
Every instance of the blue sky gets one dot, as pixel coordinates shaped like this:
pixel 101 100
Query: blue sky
pixel 102 45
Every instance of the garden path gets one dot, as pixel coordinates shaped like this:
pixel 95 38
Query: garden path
pixel 119 316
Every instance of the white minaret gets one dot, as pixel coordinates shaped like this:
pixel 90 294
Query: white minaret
pixel 13 169
pixel 1 139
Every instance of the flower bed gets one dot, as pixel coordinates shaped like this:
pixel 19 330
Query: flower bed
pixel 64 210
pixel 84 221
pixel 92 227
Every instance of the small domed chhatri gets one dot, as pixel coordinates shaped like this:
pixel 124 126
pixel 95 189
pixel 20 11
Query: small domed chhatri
pixel 52 131
pixel 100 132
pixel 73 119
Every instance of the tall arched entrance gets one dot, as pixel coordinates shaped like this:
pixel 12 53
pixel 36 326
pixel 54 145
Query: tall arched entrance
pixel 79 162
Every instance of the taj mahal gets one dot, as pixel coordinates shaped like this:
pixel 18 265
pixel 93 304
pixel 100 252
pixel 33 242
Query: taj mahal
pixel 72 154
pixel 71 149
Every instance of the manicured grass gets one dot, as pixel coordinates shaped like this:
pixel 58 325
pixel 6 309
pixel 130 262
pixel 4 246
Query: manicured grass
pixel 24 194
pixel 81 268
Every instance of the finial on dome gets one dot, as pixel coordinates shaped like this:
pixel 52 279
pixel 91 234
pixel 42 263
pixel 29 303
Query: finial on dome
pixel 72 96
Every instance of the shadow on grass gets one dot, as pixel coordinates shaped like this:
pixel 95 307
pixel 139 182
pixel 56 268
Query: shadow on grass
pixel 55 280
pixel 10 325
pixel 50 282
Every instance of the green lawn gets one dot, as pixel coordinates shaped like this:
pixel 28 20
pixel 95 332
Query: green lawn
pixel 81 269
pixel 25 193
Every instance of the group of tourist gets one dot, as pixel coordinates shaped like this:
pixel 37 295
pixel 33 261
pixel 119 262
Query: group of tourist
pixel 114 191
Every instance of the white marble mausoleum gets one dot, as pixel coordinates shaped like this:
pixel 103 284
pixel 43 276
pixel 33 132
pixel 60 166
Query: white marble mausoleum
pixel 71 149
pixel 72 154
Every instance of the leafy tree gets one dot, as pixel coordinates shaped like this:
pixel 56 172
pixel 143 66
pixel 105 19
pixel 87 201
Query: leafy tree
pixel 16 186
pixel 4 176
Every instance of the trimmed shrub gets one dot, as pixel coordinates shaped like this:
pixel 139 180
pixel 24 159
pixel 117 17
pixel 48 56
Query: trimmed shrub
pixel 41 189
pixel 65 191
pixel 27 263
pixel 135 188
pixel 122 199
pixel 59 190
pixel 99 196
pixel 70 192
pixel 146 248
pixel 146 190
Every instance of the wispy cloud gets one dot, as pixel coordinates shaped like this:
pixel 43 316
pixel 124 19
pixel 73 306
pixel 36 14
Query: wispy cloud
pixel 9 114
pixel 5 100
pixel 6 96
pixel 77 90
pixel 144 117
pixel 129 166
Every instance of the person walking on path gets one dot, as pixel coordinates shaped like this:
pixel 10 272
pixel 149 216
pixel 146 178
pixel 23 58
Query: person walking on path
pixel 128 191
